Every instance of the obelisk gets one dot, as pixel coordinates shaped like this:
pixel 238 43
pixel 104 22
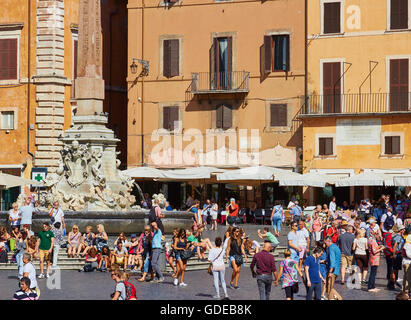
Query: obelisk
pixel 89 85
pixel 89 142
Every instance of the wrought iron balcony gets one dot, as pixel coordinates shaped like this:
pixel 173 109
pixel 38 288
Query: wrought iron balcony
pixel 220 82
pixel 353 103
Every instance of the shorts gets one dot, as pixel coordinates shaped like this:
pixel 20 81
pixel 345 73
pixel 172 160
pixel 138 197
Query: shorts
pixel 177 256
pixel 301 254
pixel 346 261
pixel 397 262
pixel 44 254
pixel 231 258
pixel 214 216
pixel 289 293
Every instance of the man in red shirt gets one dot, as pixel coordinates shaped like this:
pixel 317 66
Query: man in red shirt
pixel 232 210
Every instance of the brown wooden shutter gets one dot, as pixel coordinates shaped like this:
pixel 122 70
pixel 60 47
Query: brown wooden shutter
pixel 219 117
pixel 227 117
pixel 332 87
pixel 174 57
pixel 213 64
pixel 332 17
pixel 396 147
pixel 399 14
pixel 166 59
pixel 268 53
pixel 399 72
pixel 174 116
pixel 8 59
pixel 75 46
pixel 278 114
pixel 166 118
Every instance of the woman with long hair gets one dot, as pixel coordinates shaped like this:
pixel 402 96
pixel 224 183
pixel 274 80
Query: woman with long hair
pixel 105 259
pixel 180 244
pixel 31 246
pixel 360 247
pixel 170 254
pixel 101 238
pixel 73 240
pixel 235 252
pixel 146 239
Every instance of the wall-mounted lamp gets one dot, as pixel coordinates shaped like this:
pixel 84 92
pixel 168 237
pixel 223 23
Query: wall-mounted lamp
pixel 145 67
pixel 133 67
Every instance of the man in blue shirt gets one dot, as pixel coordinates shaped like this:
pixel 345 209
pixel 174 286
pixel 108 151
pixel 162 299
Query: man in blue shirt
pixel 313 274
pixel 333 262
pixel 156 251
pixel 296 212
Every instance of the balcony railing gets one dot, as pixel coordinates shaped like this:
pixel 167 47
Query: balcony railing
pixel 357 103
pixel 220 82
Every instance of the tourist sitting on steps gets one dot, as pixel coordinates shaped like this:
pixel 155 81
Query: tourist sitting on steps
pixel 120 255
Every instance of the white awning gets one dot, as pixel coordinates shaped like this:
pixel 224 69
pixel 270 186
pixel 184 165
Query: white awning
pixel 196 173
pixel 261 173
pixel 10 181
pixel 310 179
pixel 365 179
pixel 144 172
pixel 402 180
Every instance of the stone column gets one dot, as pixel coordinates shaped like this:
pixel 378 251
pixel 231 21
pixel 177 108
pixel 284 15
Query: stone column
pixel 50 82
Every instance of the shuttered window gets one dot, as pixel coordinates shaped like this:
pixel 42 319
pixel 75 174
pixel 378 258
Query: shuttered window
pixel 170 116
pixel 325 146
pixel 8 59
pixel 332 87
pixel 276 53
pixel 399 14
pixel 278 115
pixel 399 75
pixel 224 117
pixel 392 145
pixel 171 58
pixel 332 17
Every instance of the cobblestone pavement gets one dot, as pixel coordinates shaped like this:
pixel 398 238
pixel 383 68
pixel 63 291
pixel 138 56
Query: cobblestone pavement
pixel 98 286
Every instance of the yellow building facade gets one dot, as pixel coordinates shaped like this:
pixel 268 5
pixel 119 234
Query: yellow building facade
pixel 357 114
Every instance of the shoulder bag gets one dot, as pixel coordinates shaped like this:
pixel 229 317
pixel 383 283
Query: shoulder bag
pixel 210 267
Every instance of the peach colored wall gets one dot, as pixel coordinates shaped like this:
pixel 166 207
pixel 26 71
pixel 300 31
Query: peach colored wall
pixel 196 20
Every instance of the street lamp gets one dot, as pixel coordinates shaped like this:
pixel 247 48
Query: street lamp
pixel 133 67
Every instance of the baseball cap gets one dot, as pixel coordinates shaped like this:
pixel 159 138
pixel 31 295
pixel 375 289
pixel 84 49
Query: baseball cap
pixel 133 235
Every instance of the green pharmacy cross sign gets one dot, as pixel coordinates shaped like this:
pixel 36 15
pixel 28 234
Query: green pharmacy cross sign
pixel 38 177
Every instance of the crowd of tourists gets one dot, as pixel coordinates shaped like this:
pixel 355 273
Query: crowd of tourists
pixel 333 244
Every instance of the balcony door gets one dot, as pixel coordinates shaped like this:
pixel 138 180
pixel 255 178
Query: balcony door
pixel 332 87
pixel 221 62
pixel 399 75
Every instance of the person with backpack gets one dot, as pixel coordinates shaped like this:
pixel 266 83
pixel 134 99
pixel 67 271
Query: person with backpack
pixel 156 215
pixel 387 221
pixel 397 246
pixel 131 293
pixel 277 216
pixel 120 290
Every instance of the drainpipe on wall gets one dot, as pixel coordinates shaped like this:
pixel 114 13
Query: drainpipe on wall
pixel 28 78
pixel 142 84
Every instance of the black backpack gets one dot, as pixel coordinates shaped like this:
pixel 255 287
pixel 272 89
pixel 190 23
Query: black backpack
pixel 152 215
pixel 389 222
pixel 3 256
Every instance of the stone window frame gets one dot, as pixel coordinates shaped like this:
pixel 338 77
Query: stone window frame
pixel 234 37
pixel 15 112
pixel 180 106
pixel 163 37
pixel 384 134
pixel 342 17
pixel 317 155
pixel 283 32
pixel 12 31
pixel 268 127
pixel 74 37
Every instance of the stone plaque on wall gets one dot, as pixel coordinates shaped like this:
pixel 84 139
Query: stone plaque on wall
pixel 351 132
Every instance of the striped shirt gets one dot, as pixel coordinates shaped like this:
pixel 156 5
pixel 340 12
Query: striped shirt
pixel 21 295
